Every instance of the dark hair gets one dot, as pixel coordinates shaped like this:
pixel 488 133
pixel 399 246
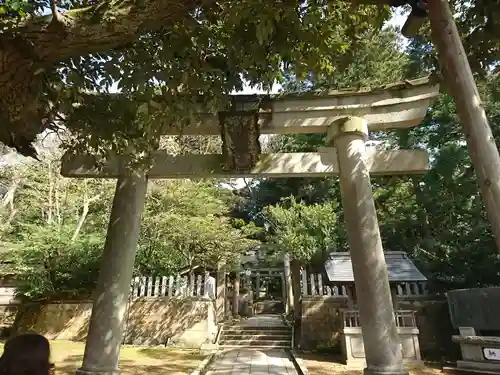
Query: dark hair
pixel 26 354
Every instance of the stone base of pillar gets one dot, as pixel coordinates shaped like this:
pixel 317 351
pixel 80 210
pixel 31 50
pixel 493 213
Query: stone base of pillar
pixel 82 371
pixel 371 371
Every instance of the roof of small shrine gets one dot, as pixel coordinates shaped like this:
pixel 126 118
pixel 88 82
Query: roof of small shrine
pixel 399 266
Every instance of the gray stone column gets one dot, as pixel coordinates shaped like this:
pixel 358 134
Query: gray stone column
pixel 236 294
pixel 107 321
pixel 220 299
pixel 287 284
pixel 380 337
pixel 257 285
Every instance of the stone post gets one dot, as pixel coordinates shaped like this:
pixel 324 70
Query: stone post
pixel 106 327
pixel 236 293
pixel 220 299
pixel 287 285
pixel 257 285
pixel 394 297
pixel 380 336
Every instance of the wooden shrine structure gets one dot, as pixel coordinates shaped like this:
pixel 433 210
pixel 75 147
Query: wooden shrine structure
pixel 347 118
pixel 405 281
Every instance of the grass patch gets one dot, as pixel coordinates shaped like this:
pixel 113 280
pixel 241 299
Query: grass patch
pixel 68 356
pixel 325 364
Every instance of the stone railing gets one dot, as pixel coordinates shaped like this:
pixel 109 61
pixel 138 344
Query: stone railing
pixel 412 290
pixel 179 286
pixel 403 318
pixel 312 285
pixel 352 339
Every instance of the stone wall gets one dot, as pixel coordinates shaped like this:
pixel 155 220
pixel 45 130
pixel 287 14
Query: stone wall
pixel 8 314
pixel 435 328
pixel 185 322
pixel 321 324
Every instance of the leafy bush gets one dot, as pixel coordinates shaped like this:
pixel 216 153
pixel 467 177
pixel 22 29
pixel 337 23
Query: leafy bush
pixel 53 266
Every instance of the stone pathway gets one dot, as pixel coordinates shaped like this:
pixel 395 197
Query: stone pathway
pixel 246 361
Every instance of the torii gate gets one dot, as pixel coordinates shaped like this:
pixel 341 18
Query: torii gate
pixel 347 118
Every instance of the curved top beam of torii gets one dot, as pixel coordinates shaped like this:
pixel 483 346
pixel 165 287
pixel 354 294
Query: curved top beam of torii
pixel 400 105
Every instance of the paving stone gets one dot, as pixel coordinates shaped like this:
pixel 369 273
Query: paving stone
pixel 252 362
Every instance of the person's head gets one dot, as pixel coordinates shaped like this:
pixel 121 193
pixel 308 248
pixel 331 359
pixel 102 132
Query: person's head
pixel 26 354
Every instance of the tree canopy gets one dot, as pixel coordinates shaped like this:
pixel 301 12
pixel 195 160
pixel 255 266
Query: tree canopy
pixel 55 227
pixel 52 229
pixel 57 58
pixel 438 218
pixel 172 51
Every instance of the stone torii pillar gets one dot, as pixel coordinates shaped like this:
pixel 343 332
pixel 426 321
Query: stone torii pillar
pixel 236 293
pixel 401 105
pixel 287 284
pixel 380 336
pixel 106 327
pixel 220 296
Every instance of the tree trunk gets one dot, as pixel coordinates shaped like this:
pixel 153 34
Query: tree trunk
pixel 83 216
pixel 19 90
pixel 422 213
pixel 8 201
pixel 51 192
pixel 461 85
pixel 38 44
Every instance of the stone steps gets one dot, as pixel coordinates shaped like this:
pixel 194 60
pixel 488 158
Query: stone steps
pixel 250 335
pixel 258 342
pixel 256 331
pixel 260 336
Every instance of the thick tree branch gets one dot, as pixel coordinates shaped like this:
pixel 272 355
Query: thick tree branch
pixel 38 44
pixel 101 27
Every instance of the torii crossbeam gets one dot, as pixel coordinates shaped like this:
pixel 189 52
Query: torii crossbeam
pixel 347 119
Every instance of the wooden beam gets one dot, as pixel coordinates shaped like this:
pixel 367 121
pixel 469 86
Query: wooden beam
pixel 313 164
pixel 400 105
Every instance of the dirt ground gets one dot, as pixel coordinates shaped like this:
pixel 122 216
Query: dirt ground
pixel 325 364
pixel 67 357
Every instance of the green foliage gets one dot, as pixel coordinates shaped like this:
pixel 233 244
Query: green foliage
pixel 306 232
pixel 50 265
pixel 54 229
pixel 375 60
pixel 439 218
pixel 187 224
pixel 165 72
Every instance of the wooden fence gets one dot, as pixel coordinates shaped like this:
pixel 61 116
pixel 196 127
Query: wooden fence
pixel 313 285
pixel 170 286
